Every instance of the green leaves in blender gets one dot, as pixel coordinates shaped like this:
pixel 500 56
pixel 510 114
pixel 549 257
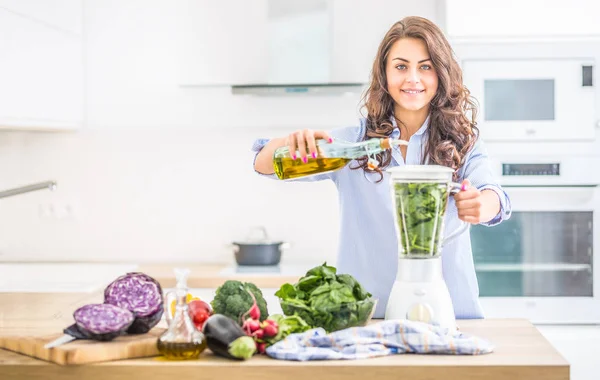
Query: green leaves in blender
pixel 420 210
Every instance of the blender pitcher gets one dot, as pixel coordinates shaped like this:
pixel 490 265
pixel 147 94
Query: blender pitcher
pixel 420 195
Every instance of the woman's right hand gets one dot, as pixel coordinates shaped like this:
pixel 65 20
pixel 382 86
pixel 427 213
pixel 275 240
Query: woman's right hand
pixel 304 141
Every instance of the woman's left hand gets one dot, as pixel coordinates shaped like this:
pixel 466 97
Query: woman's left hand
pixel 469 203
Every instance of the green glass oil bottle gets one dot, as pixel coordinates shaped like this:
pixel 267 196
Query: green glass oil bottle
pixel 330 157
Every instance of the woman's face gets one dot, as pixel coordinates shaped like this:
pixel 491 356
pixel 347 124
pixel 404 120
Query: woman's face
pixel 412 80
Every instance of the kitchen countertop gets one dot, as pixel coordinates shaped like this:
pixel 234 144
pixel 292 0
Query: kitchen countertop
pixel 214 275
pixel 521 353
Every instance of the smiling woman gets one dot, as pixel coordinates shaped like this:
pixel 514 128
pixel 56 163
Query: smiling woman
pixel 416 78
pixel 416 94
pixel 412 81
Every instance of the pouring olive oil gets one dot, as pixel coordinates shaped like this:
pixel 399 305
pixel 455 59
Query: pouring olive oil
pixel 330 157
pixel 288 168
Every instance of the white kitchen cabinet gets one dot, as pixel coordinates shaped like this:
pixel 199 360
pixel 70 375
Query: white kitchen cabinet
pixel 521 19
pixel 41 75
pixel 222 42
pixel 59 14
pixel 358 27
pixel 577 344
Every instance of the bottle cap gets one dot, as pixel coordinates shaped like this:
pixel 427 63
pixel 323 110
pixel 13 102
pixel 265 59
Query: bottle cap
pixel 181 274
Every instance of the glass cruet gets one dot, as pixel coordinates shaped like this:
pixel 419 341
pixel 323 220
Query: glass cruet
pixel 181 340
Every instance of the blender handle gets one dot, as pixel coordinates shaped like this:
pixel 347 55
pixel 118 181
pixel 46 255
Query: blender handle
pixel 455 188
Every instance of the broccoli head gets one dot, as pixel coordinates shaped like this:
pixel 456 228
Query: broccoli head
pixel 233 300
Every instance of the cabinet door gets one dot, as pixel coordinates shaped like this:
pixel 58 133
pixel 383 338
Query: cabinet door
pixel 517 18
pixel 359 26
pixel 223 42
pixel 41 75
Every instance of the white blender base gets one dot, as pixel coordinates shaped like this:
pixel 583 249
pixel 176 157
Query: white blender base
pixel 420 294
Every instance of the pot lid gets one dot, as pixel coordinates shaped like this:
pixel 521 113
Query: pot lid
pixel 421 173
pixel 258 235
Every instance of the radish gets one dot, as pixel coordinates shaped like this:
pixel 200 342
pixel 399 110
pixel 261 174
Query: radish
pixel 246 329
pixel 252 324
pixel 270 330
pixel 254 311
pixel 258 334
pixel 261 347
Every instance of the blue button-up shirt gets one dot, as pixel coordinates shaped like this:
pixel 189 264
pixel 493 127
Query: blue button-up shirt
pixel 368 244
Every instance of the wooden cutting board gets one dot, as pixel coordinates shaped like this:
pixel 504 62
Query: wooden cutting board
pixel 85 351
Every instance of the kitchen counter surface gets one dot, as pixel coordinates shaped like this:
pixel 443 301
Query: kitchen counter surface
pixel 521 353
pixel 213 275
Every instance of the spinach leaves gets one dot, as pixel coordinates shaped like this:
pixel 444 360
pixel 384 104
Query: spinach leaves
pixel 325 299
pixel 420 211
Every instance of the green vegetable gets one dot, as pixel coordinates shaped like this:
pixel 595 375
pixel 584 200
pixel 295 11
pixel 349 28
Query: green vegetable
pixel 287 325
pixel 243 348
pixel 420 210
pixel 233 300
pixel 325 299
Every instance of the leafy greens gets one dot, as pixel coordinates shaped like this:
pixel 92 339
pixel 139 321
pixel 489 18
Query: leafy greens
pixel 420 211
pixel 325 299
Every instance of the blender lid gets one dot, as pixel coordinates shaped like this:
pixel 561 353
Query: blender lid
pixel 421 172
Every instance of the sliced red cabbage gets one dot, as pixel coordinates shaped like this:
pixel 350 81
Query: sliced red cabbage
pixel 102 321
pixel 140 294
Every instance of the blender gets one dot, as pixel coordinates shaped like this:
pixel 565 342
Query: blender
pixel 420 197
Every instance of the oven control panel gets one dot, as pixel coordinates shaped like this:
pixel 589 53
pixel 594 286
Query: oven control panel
pixel 548 169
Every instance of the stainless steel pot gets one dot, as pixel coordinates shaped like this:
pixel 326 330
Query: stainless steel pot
pixel 258 249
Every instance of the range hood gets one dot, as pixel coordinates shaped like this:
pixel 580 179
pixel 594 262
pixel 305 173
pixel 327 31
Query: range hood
pixel 285 47
pixel 298 89
pixel 299 48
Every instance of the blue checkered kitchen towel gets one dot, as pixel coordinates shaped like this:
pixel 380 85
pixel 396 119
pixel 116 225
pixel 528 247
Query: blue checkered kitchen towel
pixel 378 339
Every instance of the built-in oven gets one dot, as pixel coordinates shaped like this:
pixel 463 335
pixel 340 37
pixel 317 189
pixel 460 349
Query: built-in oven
pixel 538 116
pixel 543 263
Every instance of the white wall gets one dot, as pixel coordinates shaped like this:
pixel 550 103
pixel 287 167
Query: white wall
pixel 160 172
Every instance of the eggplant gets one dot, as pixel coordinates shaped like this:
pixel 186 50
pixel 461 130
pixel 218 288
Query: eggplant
pixel 225 338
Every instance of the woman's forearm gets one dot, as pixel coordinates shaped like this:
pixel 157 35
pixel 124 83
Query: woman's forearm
pixel 264 160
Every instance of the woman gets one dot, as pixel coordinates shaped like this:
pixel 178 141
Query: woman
pixel 416 94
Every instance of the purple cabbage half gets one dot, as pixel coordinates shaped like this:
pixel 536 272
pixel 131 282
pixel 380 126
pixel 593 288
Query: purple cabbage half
pixel 141 295
pixel 100 321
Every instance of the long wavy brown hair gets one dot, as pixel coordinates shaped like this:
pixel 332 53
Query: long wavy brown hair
pixel 451 133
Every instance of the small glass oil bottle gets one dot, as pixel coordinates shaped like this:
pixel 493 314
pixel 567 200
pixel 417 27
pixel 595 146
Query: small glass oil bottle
pixel 181 340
